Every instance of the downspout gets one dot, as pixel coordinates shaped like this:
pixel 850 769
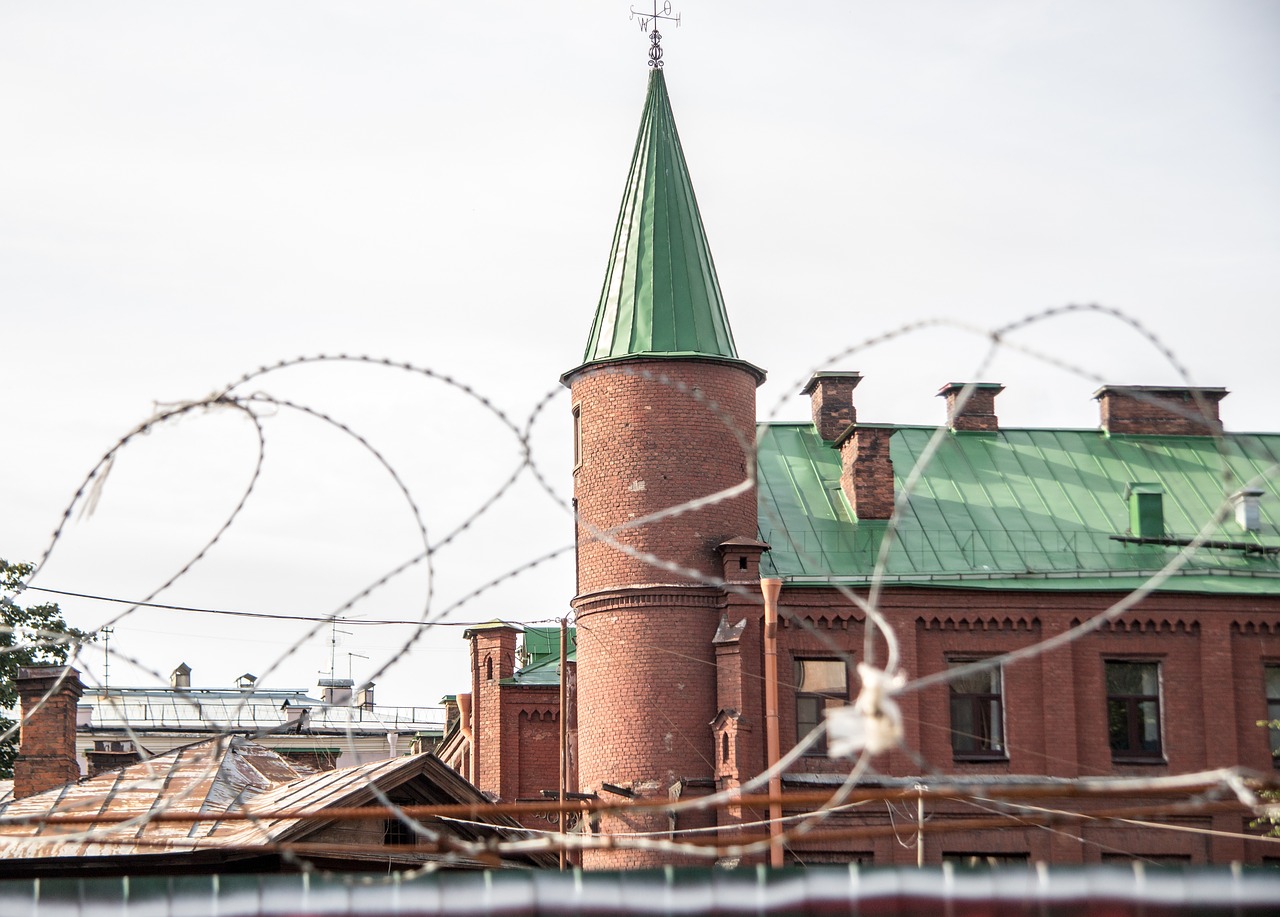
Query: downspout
pixel 771 588
pixel 564 732
pixel 468 735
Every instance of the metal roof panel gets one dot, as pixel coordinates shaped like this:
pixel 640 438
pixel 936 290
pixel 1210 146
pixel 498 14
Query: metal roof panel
pixel 1020 508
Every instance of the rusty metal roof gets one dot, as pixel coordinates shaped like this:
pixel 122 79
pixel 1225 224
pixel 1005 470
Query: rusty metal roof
pixel 215 777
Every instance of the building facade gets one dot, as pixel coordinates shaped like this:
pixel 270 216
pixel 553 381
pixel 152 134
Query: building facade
pixel 1140 557
pixel 119 726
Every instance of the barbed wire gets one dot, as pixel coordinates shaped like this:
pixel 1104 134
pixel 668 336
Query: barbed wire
pixel 1239 791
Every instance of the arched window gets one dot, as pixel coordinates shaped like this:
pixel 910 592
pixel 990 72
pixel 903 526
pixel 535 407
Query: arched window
pixel 488 668
pixel 724 747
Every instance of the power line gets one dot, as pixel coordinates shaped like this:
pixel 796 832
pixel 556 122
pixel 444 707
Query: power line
pixel 270 616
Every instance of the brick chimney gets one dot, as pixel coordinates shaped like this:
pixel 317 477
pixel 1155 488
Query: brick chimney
pixel 978 413
pixel 493 652
pixel 1160 410
pixel 831 397
pixel 866 474
pixel 47 744
pixel 741 559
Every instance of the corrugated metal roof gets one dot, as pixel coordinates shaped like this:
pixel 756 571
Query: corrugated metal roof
pixel 661 294
pixel 1020 508
pixel 1107 890
pixel 213 778
pixel 206 709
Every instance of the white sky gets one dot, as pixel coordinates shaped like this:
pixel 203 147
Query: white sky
pixel 188 191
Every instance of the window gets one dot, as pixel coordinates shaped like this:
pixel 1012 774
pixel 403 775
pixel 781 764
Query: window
pixel 1273 710
pixel 396 833
pixel 987 860
pixel 577 436
pixel 820 683
pixel 1133 710
pixel 977 714
pixel 488 668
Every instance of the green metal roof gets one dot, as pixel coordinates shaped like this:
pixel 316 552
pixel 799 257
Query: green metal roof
pixel 660 295
pixel 542 656
pixel 1019 508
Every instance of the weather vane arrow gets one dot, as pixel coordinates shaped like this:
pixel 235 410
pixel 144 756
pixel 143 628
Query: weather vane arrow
pixel 649 23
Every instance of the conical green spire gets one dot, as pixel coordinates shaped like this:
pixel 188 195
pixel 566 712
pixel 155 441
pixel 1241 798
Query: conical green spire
pixel 660 295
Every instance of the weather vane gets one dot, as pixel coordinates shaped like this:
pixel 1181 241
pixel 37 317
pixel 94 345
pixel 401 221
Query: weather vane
pixel 649 23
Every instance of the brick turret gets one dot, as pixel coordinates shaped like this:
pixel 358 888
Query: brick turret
pixel 664 414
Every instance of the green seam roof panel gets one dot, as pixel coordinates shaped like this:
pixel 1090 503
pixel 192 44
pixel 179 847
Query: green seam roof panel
pixel 660 294
pixel 542 648
pixel 1020 508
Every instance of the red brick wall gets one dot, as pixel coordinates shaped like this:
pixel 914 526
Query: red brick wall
pixel 1159 413
pixel 539 737
pixel 1211 653
pixel 866 475
pixel 648 446
pixel 47 741
pixel 646 672
pixel 978 413
pixel 831 403
pixel 491 735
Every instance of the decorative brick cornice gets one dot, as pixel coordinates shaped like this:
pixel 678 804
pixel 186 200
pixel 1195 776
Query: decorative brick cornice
pixel 1162 625
pixel 540 713
pixel 1256 628
pixel 657 596
pixel 1008 623
pixel 833 618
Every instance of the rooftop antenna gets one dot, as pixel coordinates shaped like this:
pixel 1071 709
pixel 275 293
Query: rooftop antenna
pixel 649 23
pixel 333 647
pixel 106 656
pixel 351 656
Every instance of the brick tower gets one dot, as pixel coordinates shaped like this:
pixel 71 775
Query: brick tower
pixel 664 414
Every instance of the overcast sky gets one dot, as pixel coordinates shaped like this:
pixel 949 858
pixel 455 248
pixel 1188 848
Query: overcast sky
pixel 188 191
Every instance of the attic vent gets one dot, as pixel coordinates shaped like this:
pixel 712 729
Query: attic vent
pixel 1248 516
pixel 1146 510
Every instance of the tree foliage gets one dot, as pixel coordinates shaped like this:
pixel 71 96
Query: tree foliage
pixel 30 635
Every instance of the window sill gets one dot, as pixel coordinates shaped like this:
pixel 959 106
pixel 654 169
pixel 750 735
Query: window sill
pixel 1157 760
pixel 978 758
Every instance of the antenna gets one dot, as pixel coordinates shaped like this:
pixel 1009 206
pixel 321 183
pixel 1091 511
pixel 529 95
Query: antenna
pixel 351 656
pixel 106 656
pixel 649 23
pixel 333 646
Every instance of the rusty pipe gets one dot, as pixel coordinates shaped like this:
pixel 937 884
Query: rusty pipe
pixel 771 588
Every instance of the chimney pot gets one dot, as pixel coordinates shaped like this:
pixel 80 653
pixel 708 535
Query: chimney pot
pixel 978 411
pixel 831 397
pixel 181 676
pixel 866 475
pixel 1154 410
pixel 1248 510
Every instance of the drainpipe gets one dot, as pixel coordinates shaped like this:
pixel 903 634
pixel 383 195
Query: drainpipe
pixel 771 588
pixel 564 731
pixel 464 724
pixel 920 788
